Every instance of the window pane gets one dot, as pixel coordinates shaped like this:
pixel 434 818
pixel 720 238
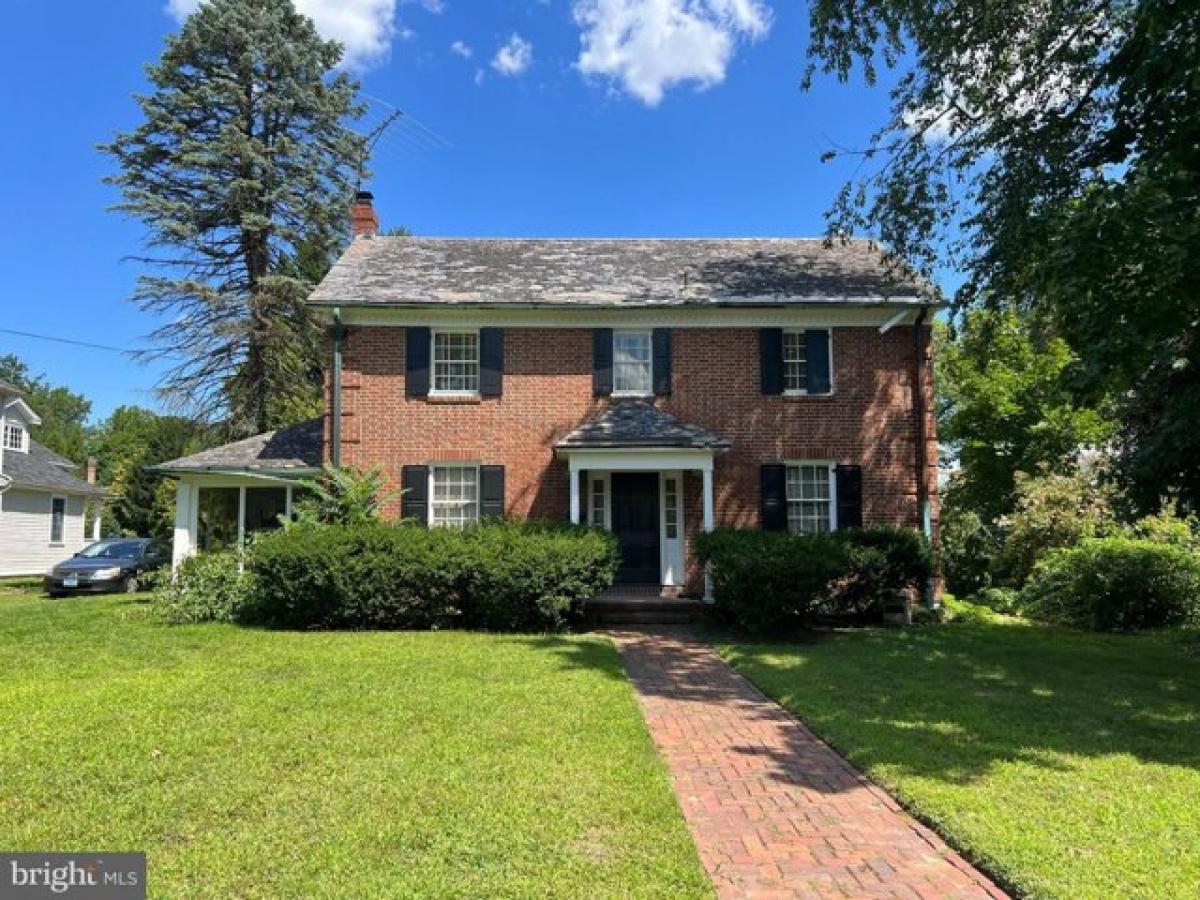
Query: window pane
pixel 456 361
pixel 632 362
pixel 808 499
pixel 598 500
pixel 58 512
pixel 455 496
pixel 795 361
pixel 671 508
pixel 264 508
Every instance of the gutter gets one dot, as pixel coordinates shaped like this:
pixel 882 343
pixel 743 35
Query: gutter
pixel 904 301
pixel 924 512
pixel 338 331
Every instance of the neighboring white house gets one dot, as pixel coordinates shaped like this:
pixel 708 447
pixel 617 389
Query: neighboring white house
pixel 42 503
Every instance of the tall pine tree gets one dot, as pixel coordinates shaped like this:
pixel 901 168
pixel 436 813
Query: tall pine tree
pixel 243 164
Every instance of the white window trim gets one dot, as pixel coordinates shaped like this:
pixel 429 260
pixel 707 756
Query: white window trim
pixel 23 429
pixel 433 388
pixel 602 478
pixel 432 502
pixel 832 386
pixel 649 335
pixel 831 466
pixel 62 541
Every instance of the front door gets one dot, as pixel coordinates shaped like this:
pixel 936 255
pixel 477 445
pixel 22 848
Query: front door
pixel 635 523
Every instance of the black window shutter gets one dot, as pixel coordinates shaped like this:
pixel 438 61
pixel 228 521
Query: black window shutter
pixel 816 342
pixel 491 492
pixel 849 496
pixel 661 338
pixel 416 362
pixel 774 497
pixel 770 355
pixel 602 361
pixel 414 502
pixel 491 362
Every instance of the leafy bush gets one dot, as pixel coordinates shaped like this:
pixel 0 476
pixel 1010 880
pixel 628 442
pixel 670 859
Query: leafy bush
pixel 1052 511
pixel 1004 600
pixel 880 560
pixel 1116 584
pixel 207 587
pixel 503 576
pixel 767 581
pixel 968 546
pixel 530 576
pixel 345 496
pixel 1168 527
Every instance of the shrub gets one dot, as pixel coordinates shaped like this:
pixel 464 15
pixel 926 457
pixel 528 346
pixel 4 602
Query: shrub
pixel 768 581
pixel 1004 600
pixel 344 496
pixel 880 560
pixel 968 547
pixel 530 576
pixel 1052 511
pixel 1116 584
pixel 503 576
pixel 1168 527
pixel 207 587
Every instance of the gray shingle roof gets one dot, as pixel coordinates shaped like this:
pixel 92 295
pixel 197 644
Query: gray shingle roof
pixel 638 423
pixel 43 468
pixel 295 447
pixel 615 272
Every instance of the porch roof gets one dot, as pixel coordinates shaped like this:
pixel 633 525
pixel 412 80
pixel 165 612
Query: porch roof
pixel 292 450
pixel 640 424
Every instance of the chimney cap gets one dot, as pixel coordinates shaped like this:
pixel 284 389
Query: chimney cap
pixel 363 196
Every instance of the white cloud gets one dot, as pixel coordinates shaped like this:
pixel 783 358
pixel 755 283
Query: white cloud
pixel 650 45
pixel 479 76
pixel 365 27
pixel 514 57
pixel 462 49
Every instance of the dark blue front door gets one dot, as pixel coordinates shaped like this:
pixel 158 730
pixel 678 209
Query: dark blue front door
pixel 635 523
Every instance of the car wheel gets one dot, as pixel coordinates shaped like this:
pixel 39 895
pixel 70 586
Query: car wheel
pixel 131 584
pixel 53 595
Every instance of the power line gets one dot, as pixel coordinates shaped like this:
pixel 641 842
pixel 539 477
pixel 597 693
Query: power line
pixel 63 340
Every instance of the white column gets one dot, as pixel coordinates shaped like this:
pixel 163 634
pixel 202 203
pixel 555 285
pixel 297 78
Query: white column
pixel 184 544
pixel 708 525
pixel 573 475
pixel 241 542
pixel 97 511
pixel 287 503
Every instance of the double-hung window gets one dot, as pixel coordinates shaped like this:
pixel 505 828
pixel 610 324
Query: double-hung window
pixel 455 362
pixel 633 363
pixel 795 362
pixel 14 437
pixel 810 498
pixel 455 494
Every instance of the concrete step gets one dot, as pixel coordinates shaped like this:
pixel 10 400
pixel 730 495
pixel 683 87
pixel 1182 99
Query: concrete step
pixel 651 610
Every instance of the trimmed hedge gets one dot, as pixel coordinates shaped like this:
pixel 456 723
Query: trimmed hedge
pixel 1115 584
pixel 499 576
pixel 769 581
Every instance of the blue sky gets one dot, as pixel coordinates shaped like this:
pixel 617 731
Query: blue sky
pixel 564 117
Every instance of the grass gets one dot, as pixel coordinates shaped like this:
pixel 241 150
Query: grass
pixel 273 764
pixel 1068 764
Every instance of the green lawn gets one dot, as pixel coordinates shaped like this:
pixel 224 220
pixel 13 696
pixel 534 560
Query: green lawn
pixel 270 764
pixel 1067 763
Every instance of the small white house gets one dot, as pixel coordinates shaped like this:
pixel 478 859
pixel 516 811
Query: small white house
pixel 42 502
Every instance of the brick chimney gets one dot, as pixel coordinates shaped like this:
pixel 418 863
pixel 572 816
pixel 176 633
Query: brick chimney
pixel 363 218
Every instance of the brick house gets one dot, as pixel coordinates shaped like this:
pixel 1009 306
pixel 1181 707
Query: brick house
pixel 650 387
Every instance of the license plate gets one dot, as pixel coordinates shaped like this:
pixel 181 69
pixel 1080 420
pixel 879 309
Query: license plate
pixel 71 581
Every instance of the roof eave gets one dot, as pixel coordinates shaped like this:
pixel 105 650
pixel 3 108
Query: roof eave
pixel 906 300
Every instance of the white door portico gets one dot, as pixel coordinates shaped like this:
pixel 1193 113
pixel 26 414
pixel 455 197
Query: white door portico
pixel 636 437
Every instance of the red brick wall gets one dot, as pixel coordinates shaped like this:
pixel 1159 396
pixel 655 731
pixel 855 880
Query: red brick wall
pixel 867 420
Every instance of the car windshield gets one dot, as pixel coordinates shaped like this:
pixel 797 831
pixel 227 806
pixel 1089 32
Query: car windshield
pixel 112 550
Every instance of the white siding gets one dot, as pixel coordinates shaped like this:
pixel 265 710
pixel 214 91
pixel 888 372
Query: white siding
pixel 25 547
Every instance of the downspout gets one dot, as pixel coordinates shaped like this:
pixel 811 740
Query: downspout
pixel 924 513
pixel 338 332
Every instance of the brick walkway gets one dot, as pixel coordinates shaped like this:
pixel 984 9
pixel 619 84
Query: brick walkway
pixel 773 810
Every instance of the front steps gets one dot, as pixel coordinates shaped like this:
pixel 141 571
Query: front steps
pixel 617 607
